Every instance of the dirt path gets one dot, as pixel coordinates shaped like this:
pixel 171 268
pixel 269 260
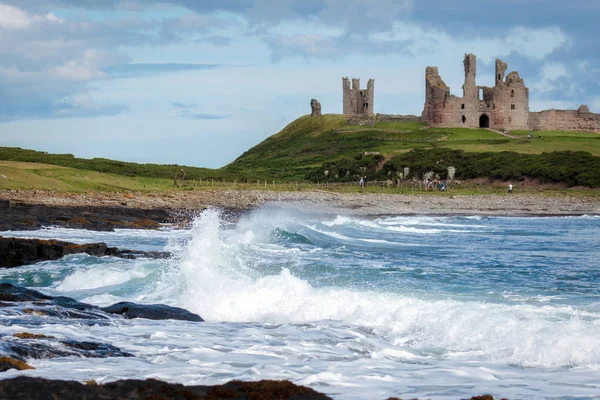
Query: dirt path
pixel 502 133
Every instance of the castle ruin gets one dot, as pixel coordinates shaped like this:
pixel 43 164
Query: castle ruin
pixel 504 106
pixel 357 101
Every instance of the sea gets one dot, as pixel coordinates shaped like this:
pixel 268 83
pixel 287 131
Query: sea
pixel 434 307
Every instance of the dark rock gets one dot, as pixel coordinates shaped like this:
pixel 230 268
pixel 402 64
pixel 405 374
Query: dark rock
pixel 15 252
pixel 36 308
pixel 51 347
pixel 151 311
pixel 133 254
pixel 15 216
pixel 38 389
pixel 66 307
pixel 14 293
pixel 94 349
pixel 8 363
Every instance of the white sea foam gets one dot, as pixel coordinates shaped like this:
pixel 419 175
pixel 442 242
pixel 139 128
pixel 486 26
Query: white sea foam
pixel 215 280
pixel 97 278
pixel 404 229
pixel 351 342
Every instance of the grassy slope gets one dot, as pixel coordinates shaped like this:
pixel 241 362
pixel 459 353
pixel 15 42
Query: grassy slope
pixel 302 146
pixel 308 142
pixel 24 175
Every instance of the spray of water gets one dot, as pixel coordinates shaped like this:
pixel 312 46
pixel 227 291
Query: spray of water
pixel 216 277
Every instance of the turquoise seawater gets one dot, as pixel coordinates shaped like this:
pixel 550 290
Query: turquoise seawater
pixel 356 307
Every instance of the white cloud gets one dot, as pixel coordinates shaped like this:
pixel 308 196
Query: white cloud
pixel 540 105
pixel 535 43
pixel 15 18
pixel 551 75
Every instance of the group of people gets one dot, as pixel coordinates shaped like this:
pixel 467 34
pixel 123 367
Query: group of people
pixel 440 186
pixel 363 181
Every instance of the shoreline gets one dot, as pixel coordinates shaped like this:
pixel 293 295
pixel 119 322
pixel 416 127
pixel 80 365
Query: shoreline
pixel 125 208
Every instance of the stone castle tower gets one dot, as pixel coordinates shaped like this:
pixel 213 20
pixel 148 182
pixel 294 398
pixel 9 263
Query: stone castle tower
pixel 357 101
pixel 504 106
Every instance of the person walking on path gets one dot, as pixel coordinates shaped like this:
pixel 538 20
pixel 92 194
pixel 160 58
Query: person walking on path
pixel 510 188
pixel 361 182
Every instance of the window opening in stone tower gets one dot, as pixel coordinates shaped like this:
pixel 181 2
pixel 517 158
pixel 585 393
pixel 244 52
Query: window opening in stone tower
pixel 513 107
pixel 464 119
pixel 512 93
pixel 480 94
pixel 462 106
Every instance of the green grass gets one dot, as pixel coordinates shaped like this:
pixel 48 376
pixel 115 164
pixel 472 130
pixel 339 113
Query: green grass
pixel 307 143
pixel 20 175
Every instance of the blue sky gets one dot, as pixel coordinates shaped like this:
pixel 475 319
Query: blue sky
pixel 198 82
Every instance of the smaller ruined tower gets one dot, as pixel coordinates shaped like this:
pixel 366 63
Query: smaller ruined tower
pixel 470 86
pixel 357 101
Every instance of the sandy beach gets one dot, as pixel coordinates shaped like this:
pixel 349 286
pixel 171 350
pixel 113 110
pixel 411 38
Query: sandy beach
pixel 322 201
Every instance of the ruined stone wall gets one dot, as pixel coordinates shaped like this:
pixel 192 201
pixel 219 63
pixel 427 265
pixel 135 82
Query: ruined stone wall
pixel 510 104
pixel 470 86
pixel 436 96
pixel 581 120
pixel 355 100
pixel 504 106
pixel 398 118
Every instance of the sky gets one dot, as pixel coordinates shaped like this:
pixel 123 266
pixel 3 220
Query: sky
pixel 198 82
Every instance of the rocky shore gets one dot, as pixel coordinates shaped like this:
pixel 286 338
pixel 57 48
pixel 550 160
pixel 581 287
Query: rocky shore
pixel 15 252
pixel 100 210
pixel 30 210
pixel 27 304
pixel 42 389
pixel 17 349
pixel 38 212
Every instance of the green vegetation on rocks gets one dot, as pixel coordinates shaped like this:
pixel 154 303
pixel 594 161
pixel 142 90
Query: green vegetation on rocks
pixel 573 168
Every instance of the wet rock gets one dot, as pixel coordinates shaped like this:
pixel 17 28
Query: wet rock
pixel 20 294
pixel 134 254
pixel 15 252
pixel 27 335
pixel 29 307
pixel 8 363
pixel 19 216
pixel 151 311
pixel 30 346
pixel 66 307
pixel 36 388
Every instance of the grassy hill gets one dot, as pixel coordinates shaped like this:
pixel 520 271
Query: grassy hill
pixel 307 147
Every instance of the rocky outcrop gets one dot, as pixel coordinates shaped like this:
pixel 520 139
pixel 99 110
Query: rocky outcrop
pixel 8 363
pixel 15 252
pixel 32 347
pixel 30 307
pixel 151 311
pixel 36 388
pixel 315 108
pixel 17 216
pixel 42 389
pixel 65 307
